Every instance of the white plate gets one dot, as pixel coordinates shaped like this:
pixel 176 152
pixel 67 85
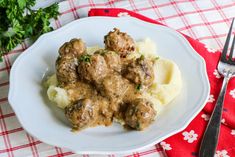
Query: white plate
pixel 47 123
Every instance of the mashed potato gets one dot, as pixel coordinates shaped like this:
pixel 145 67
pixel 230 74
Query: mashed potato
pixel 146 47
pixel 92 49
pixel 166 86
pixel 56 94
pixel 51 81
pixel 167 83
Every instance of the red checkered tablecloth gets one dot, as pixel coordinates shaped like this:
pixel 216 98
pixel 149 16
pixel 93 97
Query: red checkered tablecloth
pixel 204 20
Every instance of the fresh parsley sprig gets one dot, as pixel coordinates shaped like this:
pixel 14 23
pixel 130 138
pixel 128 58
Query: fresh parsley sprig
pixel 18 22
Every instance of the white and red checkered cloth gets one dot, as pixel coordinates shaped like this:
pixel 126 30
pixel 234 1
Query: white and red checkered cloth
pixel 204 20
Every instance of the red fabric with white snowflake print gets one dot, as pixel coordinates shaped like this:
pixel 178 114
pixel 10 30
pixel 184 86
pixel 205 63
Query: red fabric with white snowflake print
pixel 187 142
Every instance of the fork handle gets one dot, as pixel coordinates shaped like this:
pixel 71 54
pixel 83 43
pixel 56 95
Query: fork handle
pixel 210 138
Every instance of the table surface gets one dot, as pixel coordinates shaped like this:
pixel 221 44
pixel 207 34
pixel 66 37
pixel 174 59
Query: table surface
pixel 204 20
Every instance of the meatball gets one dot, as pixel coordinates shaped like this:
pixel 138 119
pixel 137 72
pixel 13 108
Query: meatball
pixel 66 69
pixel 139 71
pixel 140 114
pixel 82 114
pixel 92 68
pixel 114 88
pixel 119 42
pixel 112 59
pixel 74 46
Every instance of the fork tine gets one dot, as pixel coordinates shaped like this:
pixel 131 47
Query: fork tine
pixel 231 51
pixel 224 52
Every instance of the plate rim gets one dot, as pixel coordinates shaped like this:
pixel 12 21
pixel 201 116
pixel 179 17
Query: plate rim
pixel 183 124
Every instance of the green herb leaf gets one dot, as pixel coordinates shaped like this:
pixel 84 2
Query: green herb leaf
pixel 18 22
pixel 142 57
pixel 85 58
pixel 22 3
pixel 137 126
pixel 138 87
pixel 157 58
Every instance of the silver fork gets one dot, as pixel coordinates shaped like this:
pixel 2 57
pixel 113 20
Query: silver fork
pixel 226 67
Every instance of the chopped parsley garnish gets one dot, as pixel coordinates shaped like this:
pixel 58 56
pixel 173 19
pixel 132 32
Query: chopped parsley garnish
pixel 142 57
pixel 85 58
pixel 156 58
pixel 138 87
pixel 138 126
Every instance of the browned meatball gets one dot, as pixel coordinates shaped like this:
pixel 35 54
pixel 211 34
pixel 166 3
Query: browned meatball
pixel 114 88
pixel 92 68
pixel 66 63
pixel 74 46
pixel 119 42
pixel 82 114
pixel 139 71
pixel 112 59
pixel 140 114
pixel 66 67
